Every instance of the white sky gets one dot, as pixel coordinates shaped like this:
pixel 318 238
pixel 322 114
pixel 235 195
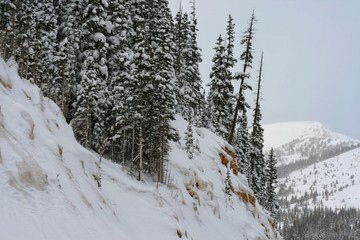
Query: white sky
pixel 311 56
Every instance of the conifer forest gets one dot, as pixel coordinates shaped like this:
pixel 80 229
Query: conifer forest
pixel 122 70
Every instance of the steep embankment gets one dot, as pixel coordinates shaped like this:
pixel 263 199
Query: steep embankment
pixel 49 183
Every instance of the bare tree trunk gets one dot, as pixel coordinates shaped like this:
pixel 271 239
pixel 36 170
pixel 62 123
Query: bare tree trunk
pixel 162 155
pixel 124 146
pixel 133 144
pixel 140 154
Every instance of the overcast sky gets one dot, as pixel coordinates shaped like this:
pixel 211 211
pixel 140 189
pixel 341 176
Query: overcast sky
pixel 311 56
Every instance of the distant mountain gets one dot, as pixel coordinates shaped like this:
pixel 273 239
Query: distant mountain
pixel 316 165
pixel 319 181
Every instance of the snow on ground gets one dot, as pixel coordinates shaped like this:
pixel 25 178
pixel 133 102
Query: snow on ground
pixel 48 187
pixel 336 180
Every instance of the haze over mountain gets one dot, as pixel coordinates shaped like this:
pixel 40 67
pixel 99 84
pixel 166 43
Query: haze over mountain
pixel 316 166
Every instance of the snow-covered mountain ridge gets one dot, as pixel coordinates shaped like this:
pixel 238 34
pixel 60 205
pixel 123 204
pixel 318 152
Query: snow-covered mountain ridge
pixel 50 183
pixel 305 141
pixel 316 166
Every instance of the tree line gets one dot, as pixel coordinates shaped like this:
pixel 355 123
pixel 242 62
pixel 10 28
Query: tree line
pixel 320 223
pixel 121 69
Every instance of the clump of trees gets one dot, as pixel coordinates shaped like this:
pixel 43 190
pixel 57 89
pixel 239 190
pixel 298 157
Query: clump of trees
pixel 120 70
pixel 320 223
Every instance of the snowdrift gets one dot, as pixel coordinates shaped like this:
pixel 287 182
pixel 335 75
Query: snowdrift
pixel 49 186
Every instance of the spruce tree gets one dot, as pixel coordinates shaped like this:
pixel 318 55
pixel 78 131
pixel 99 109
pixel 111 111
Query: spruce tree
pixel 188 87
pixel 47 30
pixel 257 159
pixel 91 91
pixel 160 110
pixel 220 92
pixel 151 100
pixel 119 57
pixel 7 25
pixel 183 84
pixel 230 39
pixel 195 52
pixel 271 183
pixel 247 58
pixel 242 146
pixel 67 63
pixel 189 140
pixel 27 45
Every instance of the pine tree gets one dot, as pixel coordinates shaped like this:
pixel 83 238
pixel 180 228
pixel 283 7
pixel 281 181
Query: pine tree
pixel 91 91
pixel 189 140
pixel 67 62
pixel 205 114
pixel 151 98
pixel 188 87
pixel 246 57
pixel 120 62
pixel 228 184
pixel 162 99
pixel 7 25
pixel 27 43
pixel 195 53
pixel 47 30
pixel 258 179
pixel 183 85
pixel 220 93
pixel 271 183
pixel 230 39
pixel 242 146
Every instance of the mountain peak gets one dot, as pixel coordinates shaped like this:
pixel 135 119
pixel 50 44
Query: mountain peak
pixel 278 134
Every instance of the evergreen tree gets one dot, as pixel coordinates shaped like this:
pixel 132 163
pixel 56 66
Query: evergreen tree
pixel 27 44
pixel 47 29
pixel 151 100
pixel 246 57
pixel 271 183
pixel 230 39
pixel 67 67
pixel 257 159
pixel 242 146
pixel 22 40
pixel 120 61
pixel 161 102
pixel 195 52
pixel 183 84
pixel 187 58
pixel 189 140
pixel 228 182
pixel 91 91
pixel 220 93
pixel 205 114
pixel 7 25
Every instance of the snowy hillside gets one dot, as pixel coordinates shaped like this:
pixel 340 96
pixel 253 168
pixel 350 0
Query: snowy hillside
pixel 316 165
pixel 299 141
pixel 53 188
pixel 334 182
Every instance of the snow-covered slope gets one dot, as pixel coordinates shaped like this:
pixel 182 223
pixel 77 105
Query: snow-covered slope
pixel 316 165
pixel 297 141
pixel 334 182
pixel 49 188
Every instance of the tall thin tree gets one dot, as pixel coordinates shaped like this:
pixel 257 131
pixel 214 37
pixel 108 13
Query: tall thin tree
pixel 247 58
pixel 258 179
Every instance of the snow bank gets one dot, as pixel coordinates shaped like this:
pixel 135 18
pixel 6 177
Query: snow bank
pixel 49 188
